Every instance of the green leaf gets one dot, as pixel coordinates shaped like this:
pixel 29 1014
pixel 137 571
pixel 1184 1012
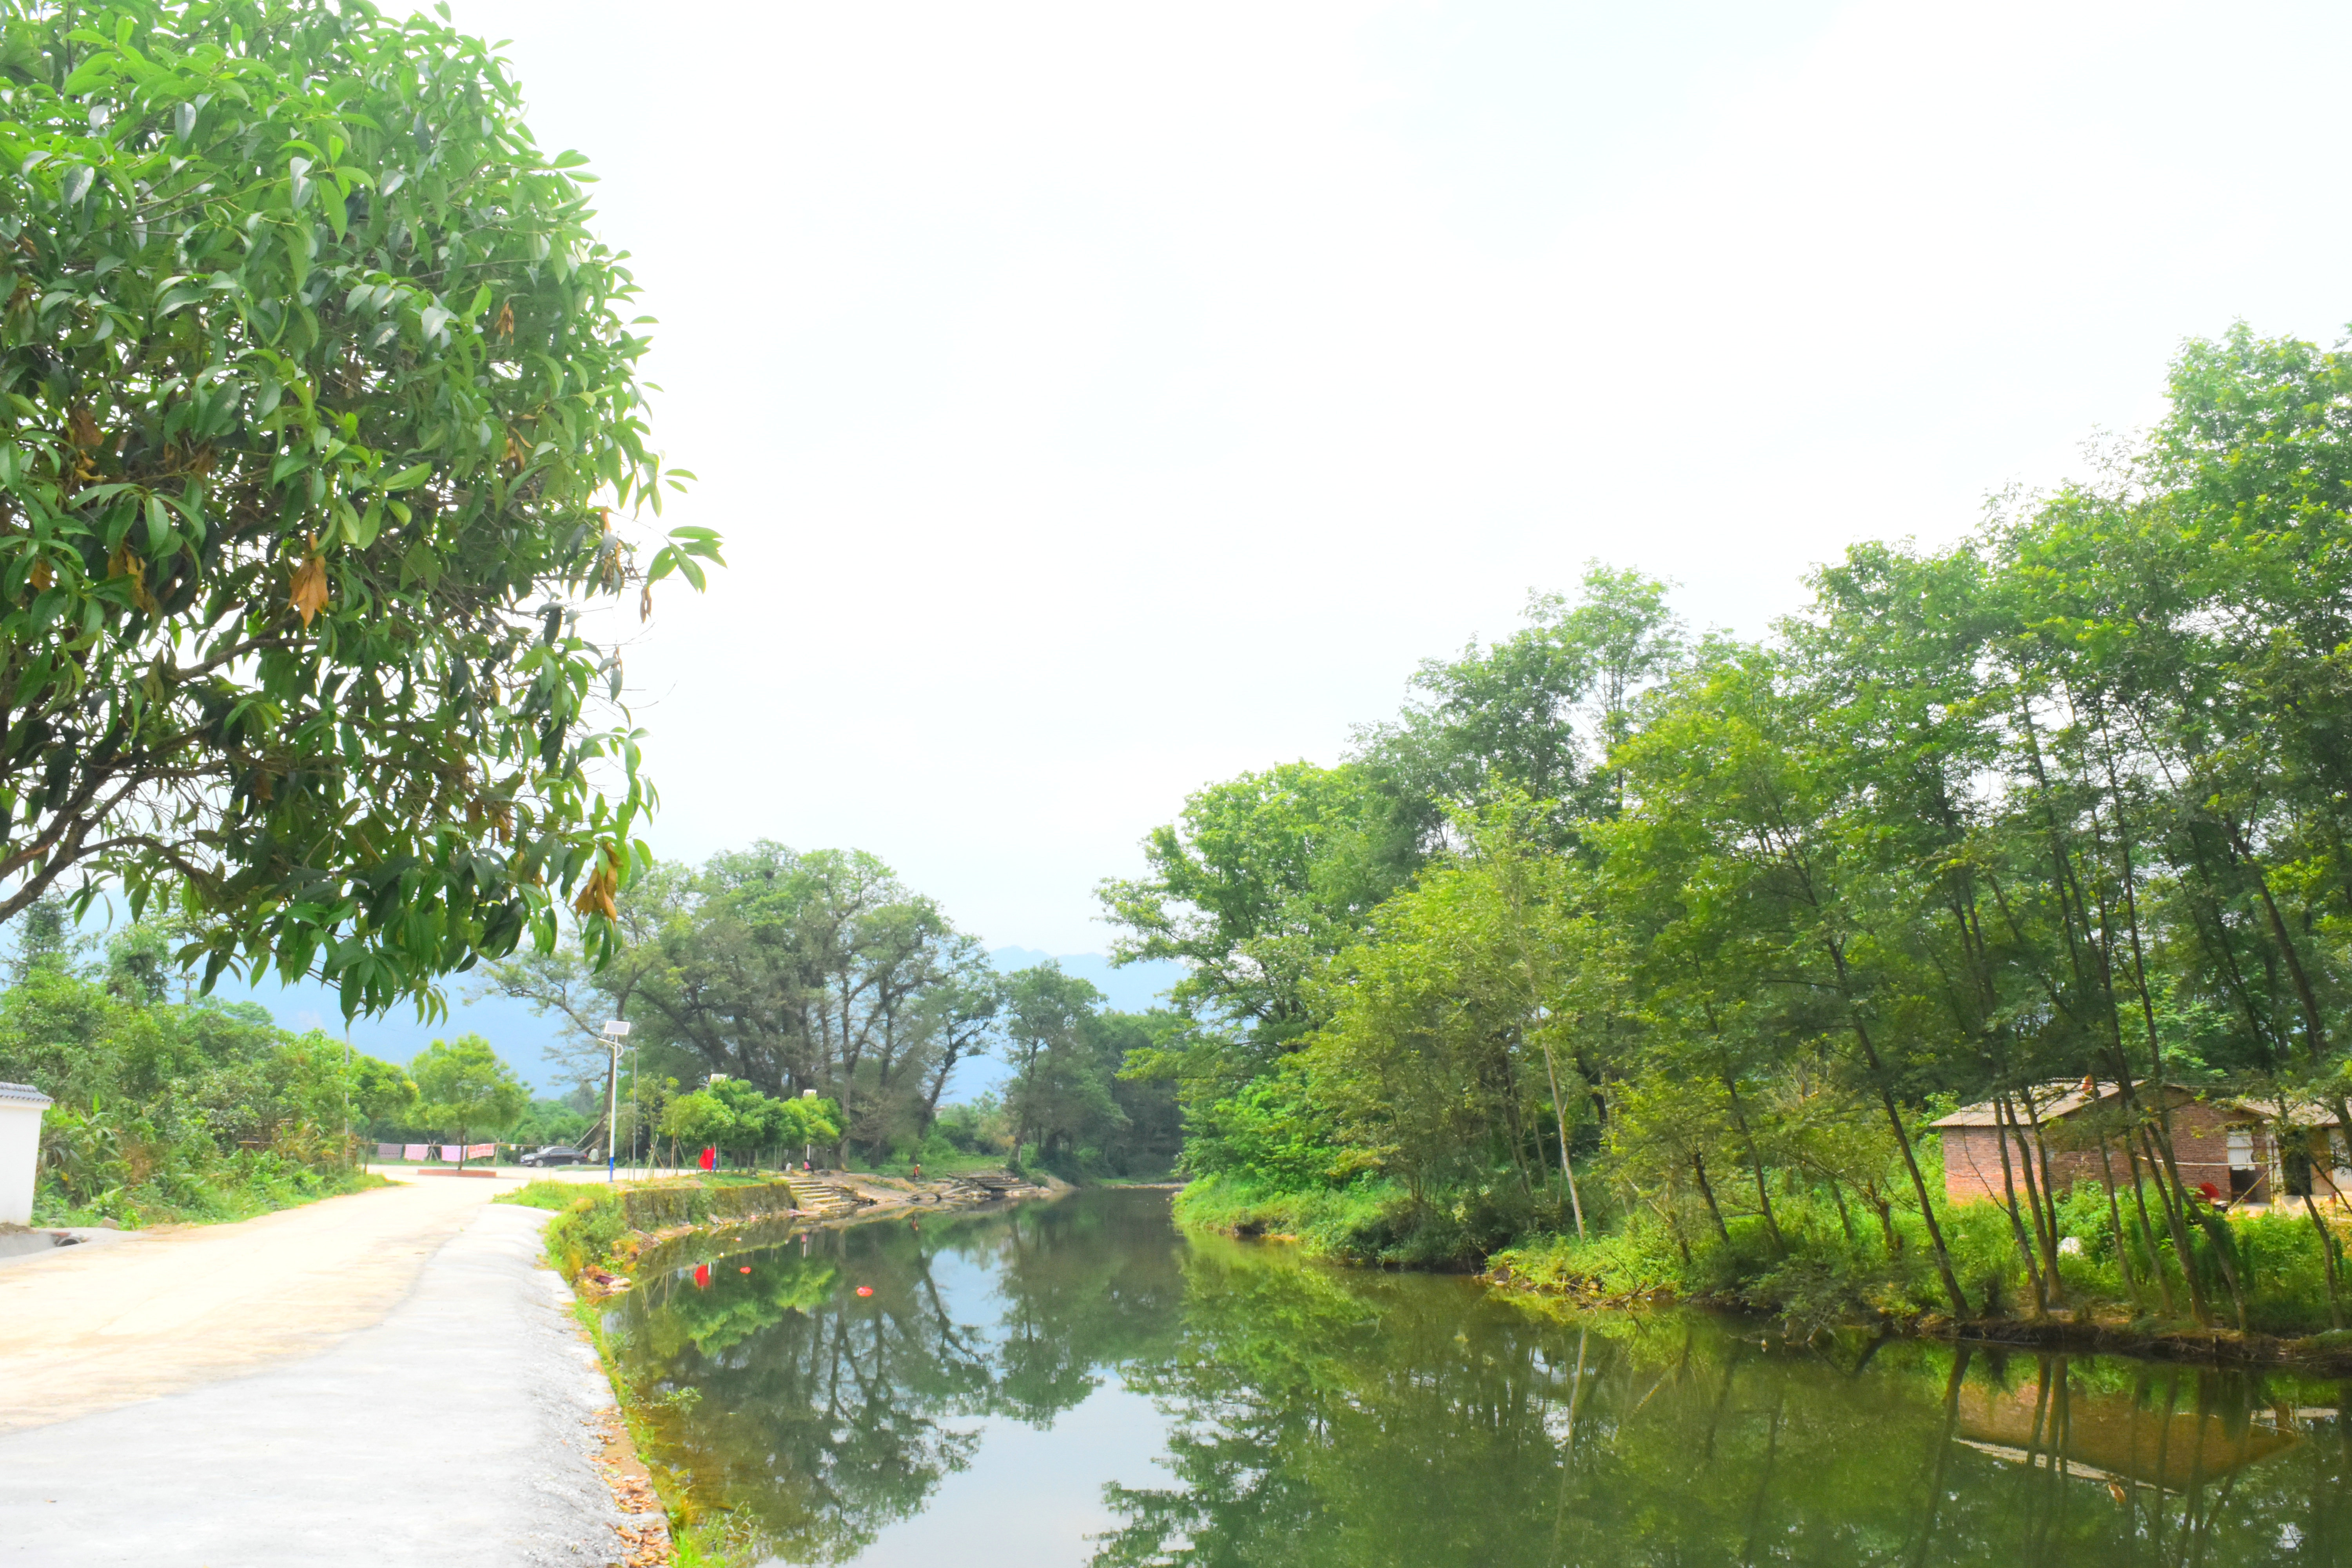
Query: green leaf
pixel 368 525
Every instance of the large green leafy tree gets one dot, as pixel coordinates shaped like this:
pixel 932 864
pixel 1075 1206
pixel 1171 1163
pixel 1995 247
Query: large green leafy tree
pixel 319 424
pixel 464 1085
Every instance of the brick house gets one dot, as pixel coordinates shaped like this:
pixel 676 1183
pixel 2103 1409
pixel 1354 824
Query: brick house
pixel 2224 1148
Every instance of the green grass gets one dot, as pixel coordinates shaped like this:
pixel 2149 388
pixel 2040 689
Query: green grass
pixel 1364 1222
pixel 584 1231
pixel 543 1193
pixel 1822 1272
pixel 239 1187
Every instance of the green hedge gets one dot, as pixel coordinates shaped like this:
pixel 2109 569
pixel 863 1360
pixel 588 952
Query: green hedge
pixel 660 1208
pixel 586 1233
pixel 595 1218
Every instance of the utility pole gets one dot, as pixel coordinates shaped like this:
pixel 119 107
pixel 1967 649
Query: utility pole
pixel 616 1031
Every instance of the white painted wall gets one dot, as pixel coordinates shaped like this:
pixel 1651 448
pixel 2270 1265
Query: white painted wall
pixel 20 1147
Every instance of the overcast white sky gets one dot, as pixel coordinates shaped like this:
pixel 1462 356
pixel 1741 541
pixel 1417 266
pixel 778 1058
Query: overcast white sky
pixel 1102 399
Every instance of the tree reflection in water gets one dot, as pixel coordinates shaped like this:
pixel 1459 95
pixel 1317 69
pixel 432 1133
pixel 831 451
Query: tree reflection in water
pixel 822 1416
pixel 1319 1416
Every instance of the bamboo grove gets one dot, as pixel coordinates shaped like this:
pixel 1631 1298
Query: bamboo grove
pixel 1618 931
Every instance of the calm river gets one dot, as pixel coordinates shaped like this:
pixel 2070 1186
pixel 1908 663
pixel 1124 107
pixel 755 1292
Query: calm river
pixel 1077 1383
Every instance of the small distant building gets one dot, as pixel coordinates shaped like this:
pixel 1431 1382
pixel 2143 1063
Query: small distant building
pixel 20 1148
pixel 2225 1149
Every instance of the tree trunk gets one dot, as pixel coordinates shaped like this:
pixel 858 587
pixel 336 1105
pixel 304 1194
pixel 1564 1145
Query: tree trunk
pixel 2146 1230
pixel 2115 1226
pixel 1756 1163
pixel 1837 1195
pixel 2000 1131
pixel 2173 1199
pixel 2172 1195
pixel 1911 1163
pixel 1883 1206
pixel 2044 1226
pixel 2327 1257
pixel 2049 1192
pixel 1706 1188
pixel 2315 1032
pixel 1559 1116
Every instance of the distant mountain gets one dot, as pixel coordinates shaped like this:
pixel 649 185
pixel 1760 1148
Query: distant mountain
pixel 520 1036
pixel 1136 988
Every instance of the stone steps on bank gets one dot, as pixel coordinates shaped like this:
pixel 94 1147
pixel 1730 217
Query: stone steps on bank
pixel 825 1200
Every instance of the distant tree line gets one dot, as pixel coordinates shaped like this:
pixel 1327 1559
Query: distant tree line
pixel 821 975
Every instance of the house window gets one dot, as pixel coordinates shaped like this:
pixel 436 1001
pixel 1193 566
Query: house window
pixel 2242 1173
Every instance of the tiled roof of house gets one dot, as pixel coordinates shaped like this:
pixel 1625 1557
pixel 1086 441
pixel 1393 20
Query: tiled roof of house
pixel 2050 1101
pixel 23 1094
pixel 2055 1102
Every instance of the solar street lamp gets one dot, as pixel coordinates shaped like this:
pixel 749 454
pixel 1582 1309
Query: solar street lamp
pixel 615 1030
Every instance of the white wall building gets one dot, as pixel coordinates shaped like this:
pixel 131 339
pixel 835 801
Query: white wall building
pixel 20 1148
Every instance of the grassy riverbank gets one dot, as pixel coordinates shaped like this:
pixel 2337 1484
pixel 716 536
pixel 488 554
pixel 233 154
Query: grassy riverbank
pixel 232 1188
pixel 1818 1265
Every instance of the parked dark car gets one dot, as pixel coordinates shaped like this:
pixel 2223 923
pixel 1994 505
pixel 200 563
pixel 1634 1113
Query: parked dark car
pixel 554 1154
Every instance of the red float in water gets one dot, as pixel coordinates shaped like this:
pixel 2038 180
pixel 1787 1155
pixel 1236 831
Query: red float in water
pixel 866 1289
pixel 745 1269
pixel 702 1277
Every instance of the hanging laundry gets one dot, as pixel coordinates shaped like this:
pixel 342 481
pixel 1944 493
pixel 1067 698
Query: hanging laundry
pixel 481 1151
pixel 711 1159
pixel 453 1152
pixel 417 1152
pixel 387 1151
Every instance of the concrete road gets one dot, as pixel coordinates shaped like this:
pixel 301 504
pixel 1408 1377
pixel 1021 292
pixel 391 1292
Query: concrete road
pixel 385 1378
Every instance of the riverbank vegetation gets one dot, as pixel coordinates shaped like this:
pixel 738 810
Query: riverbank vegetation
pixel 1652 954
pixel 788 974
pixel 173 1110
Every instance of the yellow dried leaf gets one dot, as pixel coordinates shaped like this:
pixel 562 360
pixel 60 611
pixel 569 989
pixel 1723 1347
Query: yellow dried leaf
pixel 123 563
pixel 505 320
pixel 595 895
pixel 646 603
pixel 41 577
pixel 81 429
pixel 308 593
pixel 595 898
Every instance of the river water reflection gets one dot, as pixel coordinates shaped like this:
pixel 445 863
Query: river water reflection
pixel 1079 1384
